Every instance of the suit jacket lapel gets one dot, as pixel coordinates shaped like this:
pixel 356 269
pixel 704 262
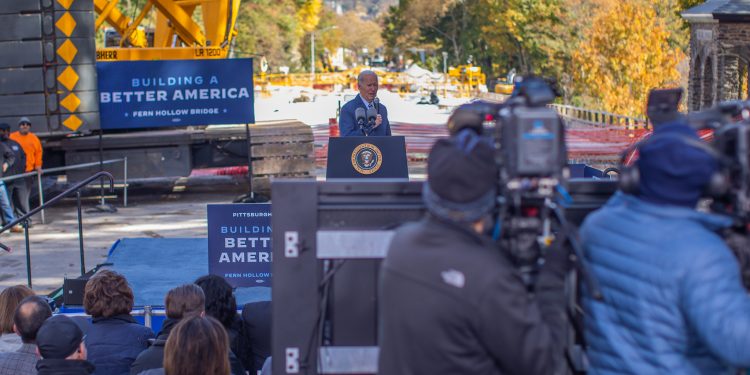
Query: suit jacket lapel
pixel 361 102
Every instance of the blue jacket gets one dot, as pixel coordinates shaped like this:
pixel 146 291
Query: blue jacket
pixel 673 299
pixel 348 122
pixel 114 343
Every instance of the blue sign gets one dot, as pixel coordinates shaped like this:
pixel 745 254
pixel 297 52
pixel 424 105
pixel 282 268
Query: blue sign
pixel 239 243
pixel 148 94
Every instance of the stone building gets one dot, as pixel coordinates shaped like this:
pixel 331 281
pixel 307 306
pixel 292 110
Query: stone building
pixel 719 52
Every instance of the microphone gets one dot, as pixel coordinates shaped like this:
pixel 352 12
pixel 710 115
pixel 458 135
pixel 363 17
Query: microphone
pixel 359 114
pixel 376 103
pixel 371 116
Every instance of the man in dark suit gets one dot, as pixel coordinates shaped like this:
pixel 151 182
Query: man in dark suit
pixel 367 82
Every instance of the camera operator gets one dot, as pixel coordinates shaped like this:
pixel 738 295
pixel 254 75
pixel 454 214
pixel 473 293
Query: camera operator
pixel 673 301
pixel 452 302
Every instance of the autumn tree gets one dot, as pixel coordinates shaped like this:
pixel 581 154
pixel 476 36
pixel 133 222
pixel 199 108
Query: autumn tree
pixel 308 15
pixel 527 35
pixel 409 24
pixel 357 33
pixel 521 34
pixel 278 30
pixel 624 54
pixel 269 28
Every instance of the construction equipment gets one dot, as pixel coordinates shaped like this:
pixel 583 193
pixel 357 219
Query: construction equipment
pixel 176 33
pixel 468 77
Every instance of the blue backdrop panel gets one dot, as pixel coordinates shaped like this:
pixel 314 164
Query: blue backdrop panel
pixel 147 94
pixel 153 266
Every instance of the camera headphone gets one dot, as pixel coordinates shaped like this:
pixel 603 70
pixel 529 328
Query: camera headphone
pixel 630 177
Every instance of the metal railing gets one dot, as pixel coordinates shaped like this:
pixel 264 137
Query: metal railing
pixel 25 222
pixel 600 118
pixel 68 168
pixel 147 312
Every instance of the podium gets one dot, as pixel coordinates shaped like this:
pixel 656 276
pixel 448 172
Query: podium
pixel 367 157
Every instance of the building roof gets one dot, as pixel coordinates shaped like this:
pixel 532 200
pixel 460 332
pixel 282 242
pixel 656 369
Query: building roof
pixel 733 10
pixel 719 10
pixel 704 12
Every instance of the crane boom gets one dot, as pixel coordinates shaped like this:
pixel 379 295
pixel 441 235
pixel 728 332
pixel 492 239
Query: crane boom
pixel 176 34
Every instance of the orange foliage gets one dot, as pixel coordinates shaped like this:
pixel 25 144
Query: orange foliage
pixel 624 54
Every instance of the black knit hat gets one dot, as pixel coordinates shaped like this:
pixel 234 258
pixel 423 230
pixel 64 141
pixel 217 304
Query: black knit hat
pixel 461 178
pixel 58 338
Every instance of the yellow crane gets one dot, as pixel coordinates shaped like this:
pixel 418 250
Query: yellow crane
pixel 177 36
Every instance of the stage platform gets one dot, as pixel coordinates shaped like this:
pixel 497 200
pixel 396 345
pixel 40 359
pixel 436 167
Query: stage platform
pixel 153 266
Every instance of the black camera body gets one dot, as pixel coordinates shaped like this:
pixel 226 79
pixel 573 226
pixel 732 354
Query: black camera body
pixel 733 143
pixel 528 135
pixel 730 122
pixel 532 143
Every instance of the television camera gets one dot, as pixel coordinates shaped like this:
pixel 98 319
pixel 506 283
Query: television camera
pixel 730 124
pixel 529 139
pixel 531 156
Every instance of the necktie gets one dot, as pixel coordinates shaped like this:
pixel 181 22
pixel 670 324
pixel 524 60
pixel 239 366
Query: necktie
pixel 369 105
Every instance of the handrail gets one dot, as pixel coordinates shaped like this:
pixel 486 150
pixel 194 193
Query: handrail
pixel 54 200
pixel 40 173
pixel 595 117
pixel 60 169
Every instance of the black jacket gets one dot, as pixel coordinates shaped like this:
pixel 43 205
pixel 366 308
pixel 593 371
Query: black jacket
pixel 452 303
pixel 256 329
pixel 153 357
pixel 113 343
pixel 7 155
pixel 18 165
pixel 63 367
pixel 236 341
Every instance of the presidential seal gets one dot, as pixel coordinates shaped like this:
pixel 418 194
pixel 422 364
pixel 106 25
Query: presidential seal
pixel 367 158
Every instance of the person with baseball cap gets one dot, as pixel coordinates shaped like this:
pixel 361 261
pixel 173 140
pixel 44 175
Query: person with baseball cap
pixel 32 147
pixel 450 300
pixel 60 344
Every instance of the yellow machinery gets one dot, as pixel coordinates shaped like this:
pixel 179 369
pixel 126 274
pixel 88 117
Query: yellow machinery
pixel 177 36
pixel 465 81
pixel 503 88
pixel 467 75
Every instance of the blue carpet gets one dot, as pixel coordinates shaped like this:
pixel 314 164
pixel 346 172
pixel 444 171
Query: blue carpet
pixel 153 266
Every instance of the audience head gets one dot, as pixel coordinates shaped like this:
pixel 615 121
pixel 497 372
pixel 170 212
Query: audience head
pixel 9 300
pixel 196 346
pixel 60 338
pixel 29 317
pixel 220 302
pixel 184 301
pixel 107 294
